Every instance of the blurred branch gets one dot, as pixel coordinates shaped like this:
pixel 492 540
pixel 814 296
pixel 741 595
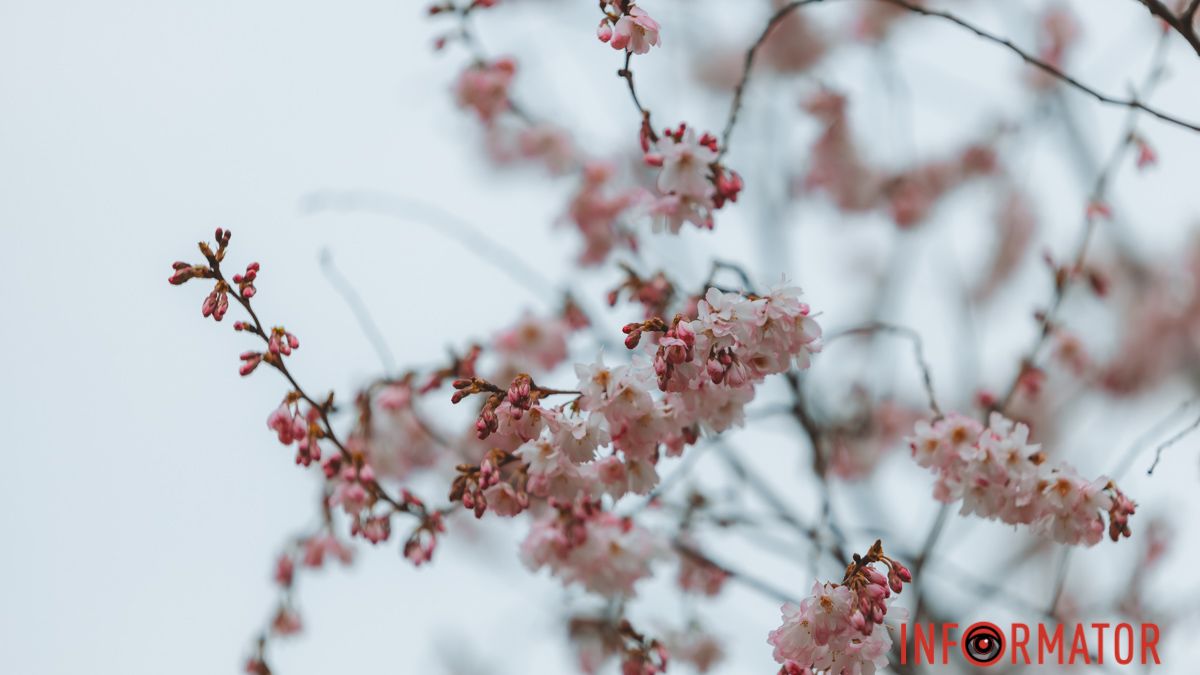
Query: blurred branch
pixel 1172 441
pixel 1097 196
pixel 918 352
pixel 441 221
pixel 359 308
pixel 1142 440
pixel 739 92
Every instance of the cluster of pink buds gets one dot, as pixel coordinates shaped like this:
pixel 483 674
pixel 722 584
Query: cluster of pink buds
pixel 250 361
pixel 461 367
pixel 245 280
pixel 286 622
pixel 1146 156
pixel 421 544
pixel 654 294
pixel 374 528
pixel 693 182
pixel 282 342
pixel 872 588
pixel 999 475
pixel 498 481
pixel 521 396
pixel 287 422
pixel 598 639
pixel 285 571
pixel 834 629
pixel 483 87
pixel 311 552
pixel 451 7
pixel 187 271
pixel 293 428
pixel 735 340
pixel 320 547
pixel 217 302
pixel 676 346
pixel 627 26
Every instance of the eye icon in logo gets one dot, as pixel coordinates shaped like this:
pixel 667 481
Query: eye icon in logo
pixel 983 644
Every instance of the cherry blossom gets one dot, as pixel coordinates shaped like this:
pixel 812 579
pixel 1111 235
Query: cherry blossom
pixel 836 629
pixel 999 475
pixel 628 27
pixel 584 544
pixel 484 88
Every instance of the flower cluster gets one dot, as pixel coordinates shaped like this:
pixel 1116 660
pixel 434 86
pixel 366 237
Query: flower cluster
pixel 1059 32
pixel 856 448
pixel 735 340
pixel 582 543
pixel 837 628
pixel 598 210
pixel 390 431
pixel 999 475
pixel 693 182
pixel 706 370
pixel 597 639
pixel 627 26
pixel 483 87
pixel 290 426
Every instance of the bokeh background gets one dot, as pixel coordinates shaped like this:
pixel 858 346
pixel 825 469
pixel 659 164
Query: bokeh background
pixel 142 499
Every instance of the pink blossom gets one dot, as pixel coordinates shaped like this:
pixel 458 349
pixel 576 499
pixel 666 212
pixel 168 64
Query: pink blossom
pixel 484 88
pixel 548 144
pixel 597 210
pixel 825 633
pixel 999 475
pixel 317 548
pixel 634 31
pixel 583 544
pixel 685 165
pixel 700 577
pixel 534 343
pixel 286 622
pixel 287 423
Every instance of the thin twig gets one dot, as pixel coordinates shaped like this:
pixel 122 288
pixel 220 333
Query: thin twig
pixel 323 409
pixel 747 580
pixel 1060 580
pixel 458 229
pixel 1171 441
pixel 1098 193
pixel 918 352
pixel 764 491
pixel 1145 438
pixel 359 308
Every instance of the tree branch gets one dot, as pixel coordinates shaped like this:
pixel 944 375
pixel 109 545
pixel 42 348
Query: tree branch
pixel 1181 24
pixel 783 12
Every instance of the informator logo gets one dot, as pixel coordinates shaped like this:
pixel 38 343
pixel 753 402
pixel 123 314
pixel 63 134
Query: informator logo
pixel 985 644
